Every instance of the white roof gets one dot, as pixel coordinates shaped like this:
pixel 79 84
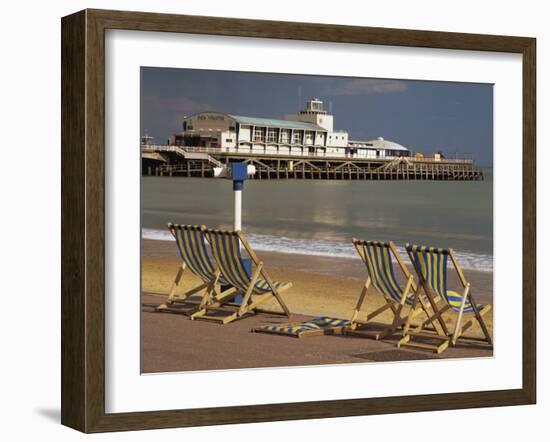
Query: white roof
pixel 379 143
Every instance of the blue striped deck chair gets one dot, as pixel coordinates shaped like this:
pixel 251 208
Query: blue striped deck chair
pixel 377 258
pixel 431 265
pixel 192 248
pixel 317 326
pixel 256 288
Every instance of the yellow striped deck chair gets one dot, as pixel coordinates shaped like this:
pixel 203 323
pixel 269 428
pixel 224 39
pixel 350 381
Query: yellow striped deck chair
pixel 257 288
pixel 317 326
pixel 192 248
pixel 377 257
pixel 430 265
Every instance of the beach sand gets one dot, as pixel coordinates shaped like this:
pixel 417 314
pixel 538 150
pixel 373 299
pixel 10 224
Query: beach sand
pixel 321 286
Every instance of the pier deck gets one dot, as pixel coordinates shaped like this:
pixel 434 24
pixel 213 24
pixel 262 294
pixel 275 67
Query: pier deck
pixel 187 162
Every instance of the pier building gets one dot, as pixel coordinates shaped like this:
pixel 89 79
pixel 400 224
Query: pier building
pixel 304 145
pixel 310 131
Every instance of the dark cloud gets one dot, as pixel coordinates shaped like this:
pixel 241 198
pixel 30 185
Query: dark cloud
pixel 361 86
pixel 425 116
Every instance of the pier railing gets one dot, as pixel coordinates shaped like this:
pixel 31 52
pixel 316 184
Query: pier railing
pixel 182 150
pixel 346 171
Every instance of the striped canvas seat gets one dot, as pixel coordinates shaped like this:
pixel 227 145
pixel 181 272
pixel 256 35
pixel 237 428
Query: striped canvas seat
pixel 226 250
pixel 378 258
pixel 378 261
pixel 432 263
pixel 455 299
pixel 192 249
pixel 256 287
pixel 314 326
pixel 191 244
pixel 261 286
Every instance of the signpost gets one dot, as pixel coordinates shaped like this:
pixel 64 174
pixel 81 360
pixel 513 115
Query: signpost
pixel 238 172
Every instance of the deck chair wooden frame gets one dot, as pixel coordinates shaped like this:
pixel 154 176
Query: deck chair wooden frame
pixel 257 288
pixel 425 260
pixel 376 256
pixel 190 241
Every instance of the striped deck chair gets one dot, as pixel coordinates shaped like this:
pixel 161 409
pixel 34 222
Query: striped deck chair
pixel 431 266
pixel 316 326
pixel 377 257
pixel 257 288
pixel 191 243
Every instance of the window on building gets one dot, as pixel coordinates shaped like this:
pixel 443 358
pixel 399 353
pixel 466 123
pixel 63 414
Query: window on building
pixel 316 105
pixel 271 135
pixel 285 136
pixel 297 138
pixel 259 134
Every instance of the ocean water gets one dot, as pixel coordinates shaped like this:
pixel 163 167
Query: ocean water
pixel 321 217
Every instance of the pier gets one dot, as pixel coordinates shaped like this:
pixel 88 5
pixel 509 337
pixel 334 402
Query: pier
pixel 172 160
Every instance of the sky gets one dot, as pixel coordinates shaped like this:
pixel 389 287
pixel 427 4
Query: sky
pixel 424 116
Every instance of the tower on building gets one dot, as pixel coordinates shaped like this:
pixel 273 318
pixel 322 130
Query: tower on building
pixel 314 113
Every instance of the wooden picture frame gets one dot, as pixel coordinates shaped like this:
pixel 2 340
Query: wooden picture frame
pixel 83 220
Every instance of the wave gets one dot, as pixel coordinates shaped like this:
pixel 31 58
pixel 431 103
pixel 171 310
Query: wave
pixel 320 247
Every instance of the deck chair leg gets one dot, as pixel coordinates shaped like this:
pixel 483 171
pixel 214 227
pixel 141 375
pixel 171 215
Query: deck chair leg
pixel 480 320
pixel 437 316
pixel 412 313
pixel 397 319
pixel 477 314
pixel 258 300
pixel 172 294
pixel 458 331
pixel 405 294
pixel 404 340
pixel 210 289
pixel 414 307
pixel 275 292
pixel 372 315
pixel 221 298
pixel 246 298
pixel 353 324
pixel 215 302
pixel 176 283
pixel 482 323
pixel 281 302
pixel 378 311
pixel 396 323
pixel 425 307
pixel 470 323
pixel 186 295
pixel 207 298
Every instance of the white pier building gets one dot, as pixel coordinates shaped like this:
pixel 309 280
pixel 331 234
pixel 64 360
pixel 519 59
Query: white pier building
pixel 309 132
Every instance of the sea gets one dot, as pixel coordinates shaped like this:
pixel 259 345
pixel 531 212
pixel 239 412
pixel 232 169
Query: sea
pixel 314 217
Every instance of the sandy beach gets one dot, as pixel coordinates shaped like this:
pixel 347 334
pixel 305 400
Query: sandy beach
pixel 321 286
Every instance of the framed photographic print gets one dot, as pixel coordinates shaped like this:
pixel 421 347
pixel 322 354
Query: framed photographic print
pixel 267 221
